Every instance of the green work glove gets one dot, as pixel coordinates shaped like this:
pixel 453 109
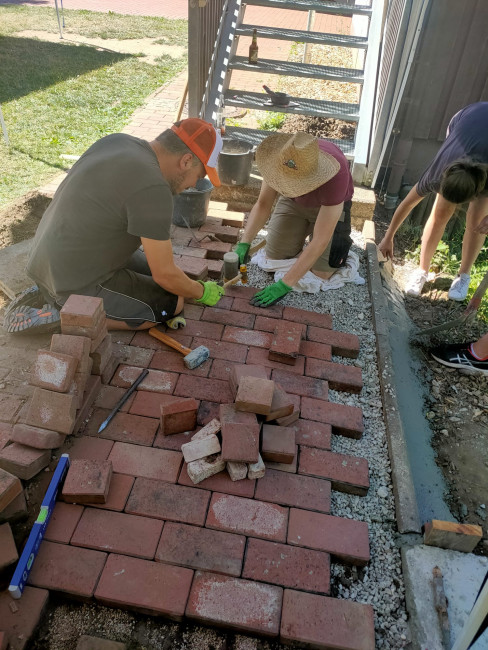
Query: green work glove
pixel 270 295
pixel 212 293
pixel 242 249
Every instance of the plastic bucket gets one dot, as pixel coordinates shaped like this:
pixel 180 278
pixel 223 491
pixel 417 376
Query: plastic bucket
pixel 190 207
pixel 235 162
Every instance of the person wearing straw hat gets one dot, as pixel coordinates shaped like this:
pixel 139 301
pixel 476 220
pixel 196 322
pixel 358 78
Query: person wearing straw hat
pixel 315 186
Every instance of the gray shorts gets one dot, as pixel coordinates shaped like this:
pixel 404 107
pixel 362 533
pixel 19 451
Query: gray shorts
pixel 289 227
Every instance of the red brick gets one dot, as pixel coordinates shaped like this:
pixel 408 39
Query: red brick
pixel 146 461
pixel 21 624
pixel 109 370
pixel 304 386
pixel 346 378
pixel 125 427
pixel 240 443
pixel 242 605
pixel 346 539
pixel 36 437
pixel 96 334
pixel 8 550
pixel 207 411
pixel 10 488
pixel 200 388
pixel 147 587
pixel 81 310
pixel 87 481
pixel 241 292
pixel 224 303
pixel 78 386
pixel 275 311
pixel 246 337
pixel 102 355
pixel 72 570
pixel 248 517
pixel 10 404
pixel 5 434
pixel 345 420
pixel 133 355
pixel 278 444
pixel 89 448
pixel 342 344
pixel 179 416
pixel 108 397
pixel 222 350
pixel 254 395
pixel 200 548
pixel 173 442
pixel 290 468
pixel 224 233
pixel 195 268
pixel 312 434
pixel 220 482
pixel 173 362
pixel 265 324
pixel 287 566
pixel 117 532
pixel 165 501
pixel 307 317
pixel 285 344
pixel 118 493
pixel 238 371
pixel 289 420
pixel 53 371
pixel 122 338
pixel 24 462
pixel 316 350
pixel 149 404
pixel 92 388
pixel 203 329
pixel 4 645
pixel 259 357
pixel 53 411
pixel 227 317
pixel 193 311
pixel 282 404
pixel 346 473
pixel 215 249
pixel 15 511
pixel 64 519
pixel 323 623
pixel 292 490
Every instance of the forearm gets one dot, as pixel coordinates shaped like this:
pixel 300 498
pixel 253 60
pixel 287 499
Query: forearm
pixel 304 263
pixel 403 210
pixel 177 282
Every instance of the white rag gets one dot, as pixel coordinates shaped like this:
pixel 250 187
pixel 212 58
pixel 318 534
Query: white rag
pixel 310 283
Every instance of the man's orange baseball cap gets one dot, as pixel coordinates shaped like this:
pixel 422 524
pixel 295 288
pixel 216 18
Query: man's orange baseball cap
pixel 205 142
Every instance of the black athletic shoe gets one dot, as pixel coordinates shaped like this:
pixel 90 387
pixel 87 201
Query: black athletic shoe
pixel 458 355
pixel 25 319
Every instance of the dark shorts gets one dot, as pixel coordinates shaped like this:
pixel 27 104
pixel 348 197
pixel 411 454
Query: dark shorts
pixel 132 295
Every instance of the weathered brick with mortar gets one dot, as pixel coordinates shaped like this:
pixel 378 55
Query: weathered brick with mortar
pixel 53 371
pixel 21 624
pixel 346 539
pixel 147 462
pixel 211 428
pixel 246 337
pixel 285 344
pixel 101 355
pixel 201 469
pixel 307 317
pixel 295 491
pixel 72 570
pixel 236 471
pixel 36 437
pixel 195 268
pixel 278 444
pixel 228 317
pixel 8 550
pixel 161 500
pixel 64 519
pixel 259 357
pixel 85 311
pixel 345 420
pixel 201 548
pixel 179 416
pixel 24 462
pixel 342 344
pixel 316 350
pixel 148 587
pixel 346 473
pixel 256 470
pixel 287 566
pixel 173 362
pixel 200 388
pixel 322 623
pixel 220 482
pixel 118 493
pixel 312 434
pixel 201 448
pixel 233 352
pixel 240 442
pixel 243 605
pixel 87 481
pixel 453 535
pixel 248 517
pixel 339 377
pixel 303 386
pixel 255 395
pixel 53 411
pixel 149 404
pixel 118 532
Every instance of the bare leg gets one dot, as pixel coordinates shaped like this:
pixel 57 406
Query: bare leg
pixel 472 241
pixel 113 324
pixel 323 275
pixel 442 211
pixel 480 347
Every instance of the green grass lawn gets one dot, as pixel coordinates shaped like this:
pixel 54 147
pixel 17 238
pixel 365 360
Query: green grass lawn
pixel 58 98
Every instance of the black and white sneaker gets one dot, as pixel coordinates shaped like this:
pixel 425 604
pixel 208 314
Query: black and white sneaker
pixel 458 355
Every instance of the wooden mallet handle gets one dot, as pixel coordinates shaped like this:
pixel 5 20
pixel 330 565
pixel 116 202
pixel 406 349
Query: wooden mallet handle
pixel 164 338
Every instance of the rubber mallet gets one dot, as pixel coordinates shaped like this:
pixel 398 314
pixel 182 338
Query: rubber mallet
pixel 192 358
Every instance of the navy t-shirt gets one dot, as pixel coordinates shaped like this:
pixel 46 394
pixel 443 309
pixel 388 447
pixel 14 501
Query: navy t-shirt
pixel 467 137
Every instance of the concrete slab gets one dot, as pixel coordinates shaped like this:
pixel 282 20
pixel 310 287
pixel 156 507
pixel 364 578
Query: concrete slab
pixel 13 259
pixel 463 574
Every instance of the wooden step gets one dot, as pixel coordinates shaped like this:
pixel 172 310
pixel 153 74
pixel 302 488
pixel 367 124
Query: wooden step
pixel 302 36
pixel 319 6
pixel 295 69
pixel 298 105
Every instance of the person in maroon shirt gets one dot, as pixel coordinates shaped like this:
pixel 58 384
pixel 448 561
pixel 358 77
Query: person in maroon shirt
pixel 315 186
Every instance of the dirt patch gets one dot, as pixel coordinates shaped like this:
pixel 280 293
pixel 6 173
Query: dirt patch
pixel 320 127
pixel 457 404
pixel 19 220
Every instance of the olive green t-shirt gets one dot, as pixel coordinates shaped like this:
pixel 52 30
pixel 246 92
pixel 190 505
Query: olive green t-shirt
pixel 114 195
